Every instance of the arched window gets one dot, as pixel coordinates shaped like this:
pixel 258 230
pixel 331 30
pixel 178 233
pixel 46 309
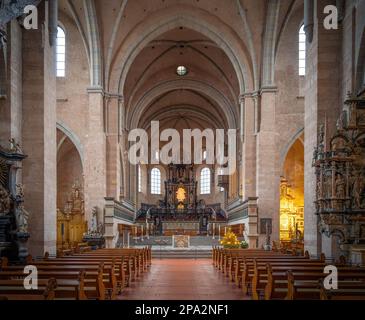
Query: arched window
pixel 302 43
pixel 60 53
pixel 205 181
pixel 139 179
pixel 220 172
pixel 155 181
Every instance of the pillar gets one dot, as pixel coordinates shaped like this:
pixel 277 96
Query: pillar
pixel 11 86
pixel 267 172
pixel 95 154
pixel 113 149
pixel 39 136
pixel 249 148
pixel 322 106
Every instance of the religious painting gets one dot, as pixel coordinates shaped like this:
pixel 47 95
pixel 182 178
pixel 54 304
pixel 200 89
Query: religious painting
pixel 265 222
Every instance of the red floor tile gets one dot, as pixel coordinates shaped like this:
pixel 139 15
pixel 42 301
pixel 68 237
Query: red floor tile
pixel 182 279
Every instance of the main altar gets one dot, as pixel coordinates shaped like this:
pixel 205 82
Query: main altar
pixel 180 212
pixel 180 241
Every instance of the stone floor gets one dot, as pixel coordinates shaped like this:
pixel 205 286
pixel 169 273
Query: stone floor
pixel 182 279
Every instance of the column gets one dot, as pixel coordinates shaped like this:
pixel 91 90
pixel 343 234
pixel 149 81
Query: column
pixel 113 148
pixel 95 154
pixel 267 171
pixel 249 148
pixel 11 85
pixel 39 136
pixel 321 107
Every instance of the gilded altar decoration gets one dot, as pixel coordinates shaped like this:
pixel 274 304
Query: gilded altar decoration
pixel 71 224
pixel 13 217
pixel 180 194
pixel 5 201
pixel 291 215
pixel 340 176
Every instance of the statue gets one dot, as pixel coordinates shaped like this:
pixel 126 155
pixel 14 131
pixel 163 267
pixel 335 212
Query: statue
pixel 321 134
pixel 22 217
pixel 94 220
pixel 75 204
pixel 357 187
pixel 340 187
pixel 14 146
pixel 100 229
pixel 5 201
pixel 78 203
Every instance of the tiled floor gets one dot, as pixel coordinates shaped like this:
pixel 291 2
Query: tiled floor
pixel 182 279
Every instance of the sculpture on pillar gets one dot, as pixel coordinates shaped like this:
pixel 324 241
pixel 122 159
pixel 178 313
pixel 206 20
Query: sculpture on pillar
pixel 21 215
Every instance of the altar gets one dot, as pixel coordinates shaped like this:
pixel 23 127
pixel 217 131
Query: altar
pixel 180 241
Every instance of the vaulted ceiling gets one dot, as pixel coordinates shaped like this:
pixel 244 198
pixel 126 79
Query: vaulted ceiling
pixel 134 48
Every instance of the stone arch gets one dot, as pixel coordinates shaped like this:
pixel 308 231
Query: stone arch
pixel 360 74
pixel 192 109
pixel 269 45
pixel 74 139
pixel 69 168
pixel 197 20
pixel 287 147
pixel 3 68
pixel 94 43
pixel 199 86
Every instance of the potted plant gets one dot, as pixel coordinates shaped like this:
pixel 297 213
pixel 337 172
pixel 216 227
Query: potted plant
pixel 244 244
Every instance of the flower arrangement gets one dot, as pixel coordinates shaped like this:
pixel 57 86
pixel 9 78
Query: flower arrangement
pixel 244 244
pixel 230 240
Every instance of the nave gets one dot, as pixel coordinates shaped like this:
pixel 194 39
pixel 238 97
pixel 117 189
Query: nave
pixel 182 279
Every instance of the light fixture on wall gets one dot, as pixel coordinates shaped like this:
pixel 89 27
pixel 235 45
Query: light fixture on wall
pixel 181 71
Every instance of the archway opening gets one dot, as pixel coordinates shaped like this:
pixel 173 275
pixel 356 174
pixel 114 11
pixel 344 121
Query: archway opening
pixel 292 196
pixel 71 224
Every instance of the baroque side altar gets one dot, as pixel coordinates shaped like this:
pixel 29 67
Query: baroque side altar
pixel 71 224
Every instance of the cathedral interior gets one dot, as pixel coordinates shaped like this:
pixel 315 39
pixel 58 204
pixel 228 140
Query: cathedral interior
pixel 279 82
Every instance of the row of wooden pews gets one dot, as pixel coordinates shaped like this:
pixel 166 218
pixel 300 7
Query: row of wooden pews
pixel 274 275
pixel 96 275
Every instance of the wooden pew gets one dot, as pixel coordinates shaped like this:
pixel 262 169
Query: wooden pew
pixel 347 290
pixel 309 285
pixel 14 290
pixel 302 282
pixel 87 284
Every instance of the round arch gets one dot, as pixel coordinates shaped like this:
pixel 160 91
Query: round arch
pixel 194 85
pixel 182 16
